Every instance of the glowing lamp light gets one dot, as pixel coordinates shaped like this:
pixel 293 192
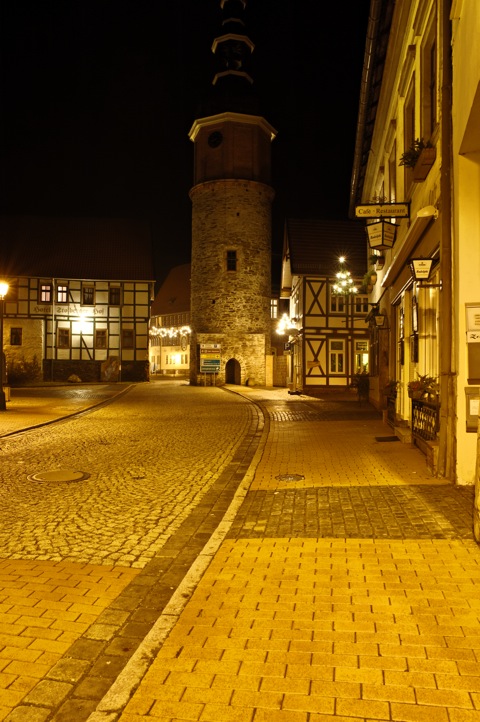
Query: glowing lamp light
pixel 287 325
pixel 381 235
pixel 344 284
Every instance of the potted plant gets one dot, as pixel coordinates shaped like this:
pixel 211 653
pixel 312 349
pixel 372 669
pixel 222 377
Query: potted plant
pixel 420 157
pixel 390 388
pixel 369 279
pixel 424 387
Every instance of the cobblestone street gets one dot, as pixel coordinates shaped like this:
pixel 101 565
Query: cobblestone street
pixel 233 554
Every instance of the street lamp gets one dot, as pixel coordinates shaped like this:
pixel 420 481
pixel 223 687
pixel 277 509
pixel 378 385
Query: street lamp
pixel 3 293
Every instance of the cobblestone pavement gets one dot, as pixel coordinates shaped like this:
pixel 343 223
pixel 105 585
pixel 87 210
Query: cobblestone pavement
pixel 87 566
pixel 311 571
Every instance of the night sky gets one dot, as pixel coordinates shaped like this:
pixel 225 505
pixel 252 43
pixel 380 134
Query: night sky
pixel 98 96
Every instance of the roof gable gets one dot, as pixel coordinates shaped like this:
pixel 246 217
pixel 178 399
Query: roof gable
pixel 173 296
pixel 312 247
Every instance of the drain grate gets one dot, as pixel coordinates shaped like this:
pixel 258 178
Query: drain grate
pixel 59 475
pixel 290 477
pixel 387 438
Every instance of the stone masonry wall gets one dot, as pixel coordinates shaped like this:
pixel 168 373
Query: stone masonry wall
pixel 247 349
pixel 232 215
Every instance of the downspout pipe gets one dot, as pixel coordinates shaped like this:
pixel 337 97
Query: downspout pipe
pixel 372 33
pixel 447 443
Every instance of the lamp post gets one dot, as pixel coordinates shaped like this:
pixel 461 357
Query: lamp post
pixel 3 293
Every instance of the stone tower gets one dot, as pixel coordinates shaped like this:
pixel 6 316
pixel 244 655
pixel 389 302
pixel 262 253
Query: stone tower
pixel 231 217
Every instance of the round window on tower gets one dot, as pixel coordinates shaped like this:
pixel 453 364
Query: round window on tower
pixel 214 139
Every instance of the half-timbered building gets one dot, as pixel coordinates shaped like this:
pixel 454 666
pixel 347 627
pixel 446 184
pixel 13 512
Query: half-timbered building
pixel 327 332
pixel 79 297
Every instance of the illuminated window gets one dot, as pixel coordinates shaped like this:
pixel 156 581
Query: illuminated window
pixel 101 338
pixel 63 338
pixel 88 296
pixel 231 260
pixel 337 357
pixel 114 296
pixel 273 308
pixel 45 293
pixel 127 338
pixel 62 294
pixel 15 337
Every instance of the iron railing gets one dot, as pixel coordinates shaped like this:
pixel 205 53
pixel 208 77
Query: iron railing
pixel 425 419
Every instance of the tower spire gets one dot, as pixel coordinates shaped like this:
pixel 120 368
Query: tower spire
pixel 232 84
pixel 233 47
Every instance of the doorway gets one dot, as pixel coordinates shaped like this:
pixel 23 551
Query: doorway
pixel 233 372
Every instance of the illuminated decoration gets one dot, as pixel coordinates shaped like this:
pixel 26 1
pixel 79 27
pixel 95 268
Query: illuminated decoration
pixel 344 284
pixel 381 234
pixel 287 325
pixel 171 332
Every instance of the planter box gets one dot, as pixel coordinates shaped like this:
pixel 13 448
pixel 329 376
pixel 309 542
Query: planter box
pixel 424 163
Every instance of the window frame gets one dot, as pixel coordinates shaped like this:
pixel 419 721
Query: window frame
pixel 113 291
pixel 88 295
pixel 16 336
pixel 338 299
pixel 337 354
pixel 45 293
pixel 63 338
pixel 130 334
pixel 62 293
pixel 231 260
pixel 101 333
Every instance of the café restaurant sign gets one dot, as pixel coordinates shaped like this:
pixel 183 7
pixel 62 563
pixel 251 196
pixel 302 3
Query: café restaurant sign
pixel 383 210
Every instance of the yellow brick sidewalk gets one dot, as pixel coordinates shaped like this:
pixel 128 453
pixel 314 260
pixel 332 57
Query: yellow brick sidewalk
pixel 325 630
pixel 44 607
pixel 306 630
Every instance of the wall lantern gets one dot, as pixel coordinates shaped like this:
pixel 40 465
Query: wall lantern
pixel 420 268
pixel 380 321
pixel 375 317
pixel 381 234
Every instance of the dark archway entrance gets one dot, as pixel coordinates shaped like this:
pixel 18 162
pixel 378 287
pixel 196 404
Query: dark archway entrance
pixel 233 372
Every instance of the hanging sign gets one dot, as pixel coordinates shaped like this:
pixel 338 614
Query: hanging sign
pixel 383 210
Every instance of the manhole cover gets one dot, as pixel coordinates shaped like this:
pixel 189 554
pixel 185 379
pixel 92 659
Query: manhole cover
pixel 387 438
pixel 290 477
pixel 59 475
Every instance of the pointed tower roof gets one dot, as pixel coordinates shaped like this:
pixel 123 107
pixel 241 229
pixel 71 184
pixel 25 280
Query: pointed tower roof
pixel 232 84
